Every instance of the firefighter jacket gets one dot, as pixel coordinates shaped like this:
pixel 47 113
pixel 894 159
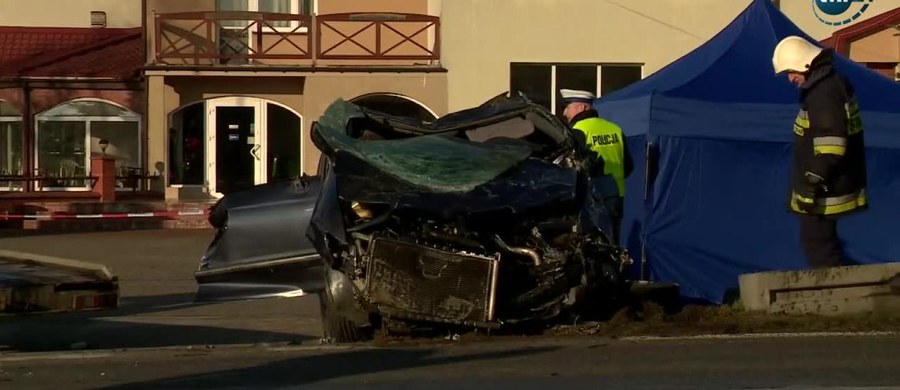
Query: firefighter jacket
pixel 829 169
pixel 606 140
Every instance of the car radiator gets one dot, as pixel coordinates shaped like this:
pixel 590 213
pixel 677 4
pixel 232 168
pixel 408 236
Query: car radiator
pixel 413 281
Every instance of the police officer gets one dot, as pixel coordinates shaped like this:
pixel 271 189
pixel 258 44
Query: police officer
pixel 829 166
pixel 606 140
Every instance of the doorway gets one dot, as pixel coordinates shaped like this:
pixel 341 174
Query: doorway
pixel 236 148
pixel 235 144
pixel 250 141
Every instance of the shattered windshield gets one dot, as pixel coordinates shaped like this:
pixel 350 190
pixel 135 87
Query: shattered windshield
pixel 440 163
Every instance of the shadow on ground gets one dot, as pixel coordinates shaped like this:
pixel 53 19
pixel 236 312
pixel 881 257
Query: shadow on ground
pixel 109 329
pixel 311 369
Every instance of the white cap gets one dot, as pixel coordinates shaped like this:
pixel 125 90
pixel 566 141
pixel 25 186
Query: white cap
pixel 574 95
pixel 794 54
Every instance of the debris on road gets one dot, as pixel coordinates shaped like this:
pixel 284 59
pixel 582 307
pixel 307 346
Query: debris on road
pixel 35 283
pixel 651 320
pixel 78 346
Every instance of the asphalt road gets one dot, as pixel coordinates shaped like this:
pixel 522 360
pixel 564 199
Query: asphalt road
pixel 142 343
pixel 585 362
pixel 155 270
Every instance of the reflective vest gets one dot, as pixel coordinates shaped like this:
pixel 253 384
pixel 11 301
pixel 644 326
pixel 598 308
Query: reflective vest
pixel 605 139
pixel 837 156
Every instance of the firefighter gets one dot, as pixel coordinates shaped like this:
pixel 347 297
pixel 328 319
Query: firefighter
pixel 829 166
pixel 612 161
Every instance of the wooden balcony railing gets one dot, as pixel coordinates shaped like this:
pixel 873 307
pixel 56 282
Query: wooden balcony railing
pixel 237 37
pixel 377 36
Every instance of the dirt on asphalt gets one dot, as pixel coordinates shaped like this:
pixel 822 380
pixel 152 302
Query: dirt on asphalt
pixel 701 320
pixel 689 321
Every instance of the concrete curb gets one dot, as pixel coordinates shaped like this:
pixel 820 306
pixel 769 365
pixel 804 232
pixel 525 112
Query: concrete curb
pixel 829 291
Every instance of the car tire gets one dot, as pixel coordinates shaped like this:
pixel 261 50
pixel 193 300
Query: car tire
pixel 342 320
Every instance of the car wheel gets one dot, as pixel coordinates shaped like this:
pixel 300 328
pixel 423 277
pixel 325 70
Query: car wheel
pixel 342 320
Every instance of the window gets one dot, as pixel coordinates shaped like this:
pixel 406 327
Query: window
pixel 296 7
pixel 541 82
pixel 187 151
pixel 236 42
pixel 98 19
pixel 533 80
pixel 583 77
pixel 283 143
pixel 616 77
pixel 10 146
pixel 70 133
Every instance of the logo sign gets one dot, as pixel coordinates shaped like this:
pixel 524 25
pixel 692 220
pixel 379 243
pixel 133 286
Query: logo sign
pixel 839 12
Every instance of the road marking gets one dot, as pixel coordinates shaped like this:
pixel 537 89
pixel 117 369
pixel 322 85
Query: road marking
pixel 206 349
pixel 759 336
pixel 825 388
pixel 19 357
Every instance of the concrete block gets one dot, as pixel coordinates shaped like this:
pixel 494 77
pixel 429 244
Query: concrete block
pixel 31 224
pixel 837 301
pixel 831 291
pixel 180 194
pixel 37 283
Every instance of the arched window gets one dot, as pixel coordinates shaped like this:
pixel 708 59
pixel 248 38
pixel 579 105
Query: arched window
pixel 70 133
pixel 10 147
pixel 395 105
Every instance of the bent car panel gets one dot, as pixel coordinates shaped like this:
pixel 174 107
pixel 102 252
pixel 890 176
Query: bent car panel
pixel 260 249
pixel 283 278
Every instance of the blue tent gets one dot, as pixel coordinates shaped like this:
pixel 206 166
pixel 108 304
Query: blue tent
pixel 714 127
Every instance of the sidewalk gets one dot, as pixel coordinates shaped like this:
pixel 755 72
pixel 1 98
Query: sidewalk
pixel 155 270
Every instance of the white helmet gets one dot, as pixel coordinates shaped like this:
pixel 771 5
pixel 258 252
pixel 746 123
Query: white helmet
pixel 794 54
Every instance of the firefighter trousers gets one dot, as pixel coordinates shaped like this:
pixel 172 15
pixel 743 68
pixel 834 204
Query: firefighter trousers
pixel 616 205
pixel 821 244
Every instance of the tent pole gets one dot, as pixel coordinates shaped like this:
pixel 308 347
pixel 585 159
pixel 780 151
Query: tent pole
pixel 648 147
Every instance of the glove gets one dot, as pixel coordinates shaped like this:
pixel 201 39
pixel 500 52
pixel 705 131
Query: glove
pixel 814 188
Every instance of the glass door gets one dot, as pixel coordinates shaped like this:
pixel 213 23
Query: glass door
pixel 236 141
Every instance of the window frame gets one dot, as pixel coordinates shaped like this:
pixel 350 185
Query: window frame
pixel 131 117
pixel 253 6
pixel 21 120
pixel 554 90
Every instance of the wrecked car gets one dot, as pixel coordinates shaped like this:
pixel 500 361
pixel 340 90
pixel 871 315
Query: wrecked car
pixel 475 220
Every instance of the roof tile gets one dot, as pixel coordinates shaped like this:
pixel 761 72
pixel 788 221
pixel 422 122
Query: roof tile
pixel 70 52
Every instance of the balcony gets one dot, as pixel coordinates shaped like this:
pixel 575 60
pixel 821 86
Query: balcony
pixel 239 38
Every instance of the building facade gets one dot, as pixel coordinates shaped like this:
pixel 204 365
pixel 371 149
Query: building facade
pixel 822 26
pixel 67 81
pixel 71 13
pixel 199 98
pixel 196 99
pixel 874 42
pixel 540 46
pixel 234 85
